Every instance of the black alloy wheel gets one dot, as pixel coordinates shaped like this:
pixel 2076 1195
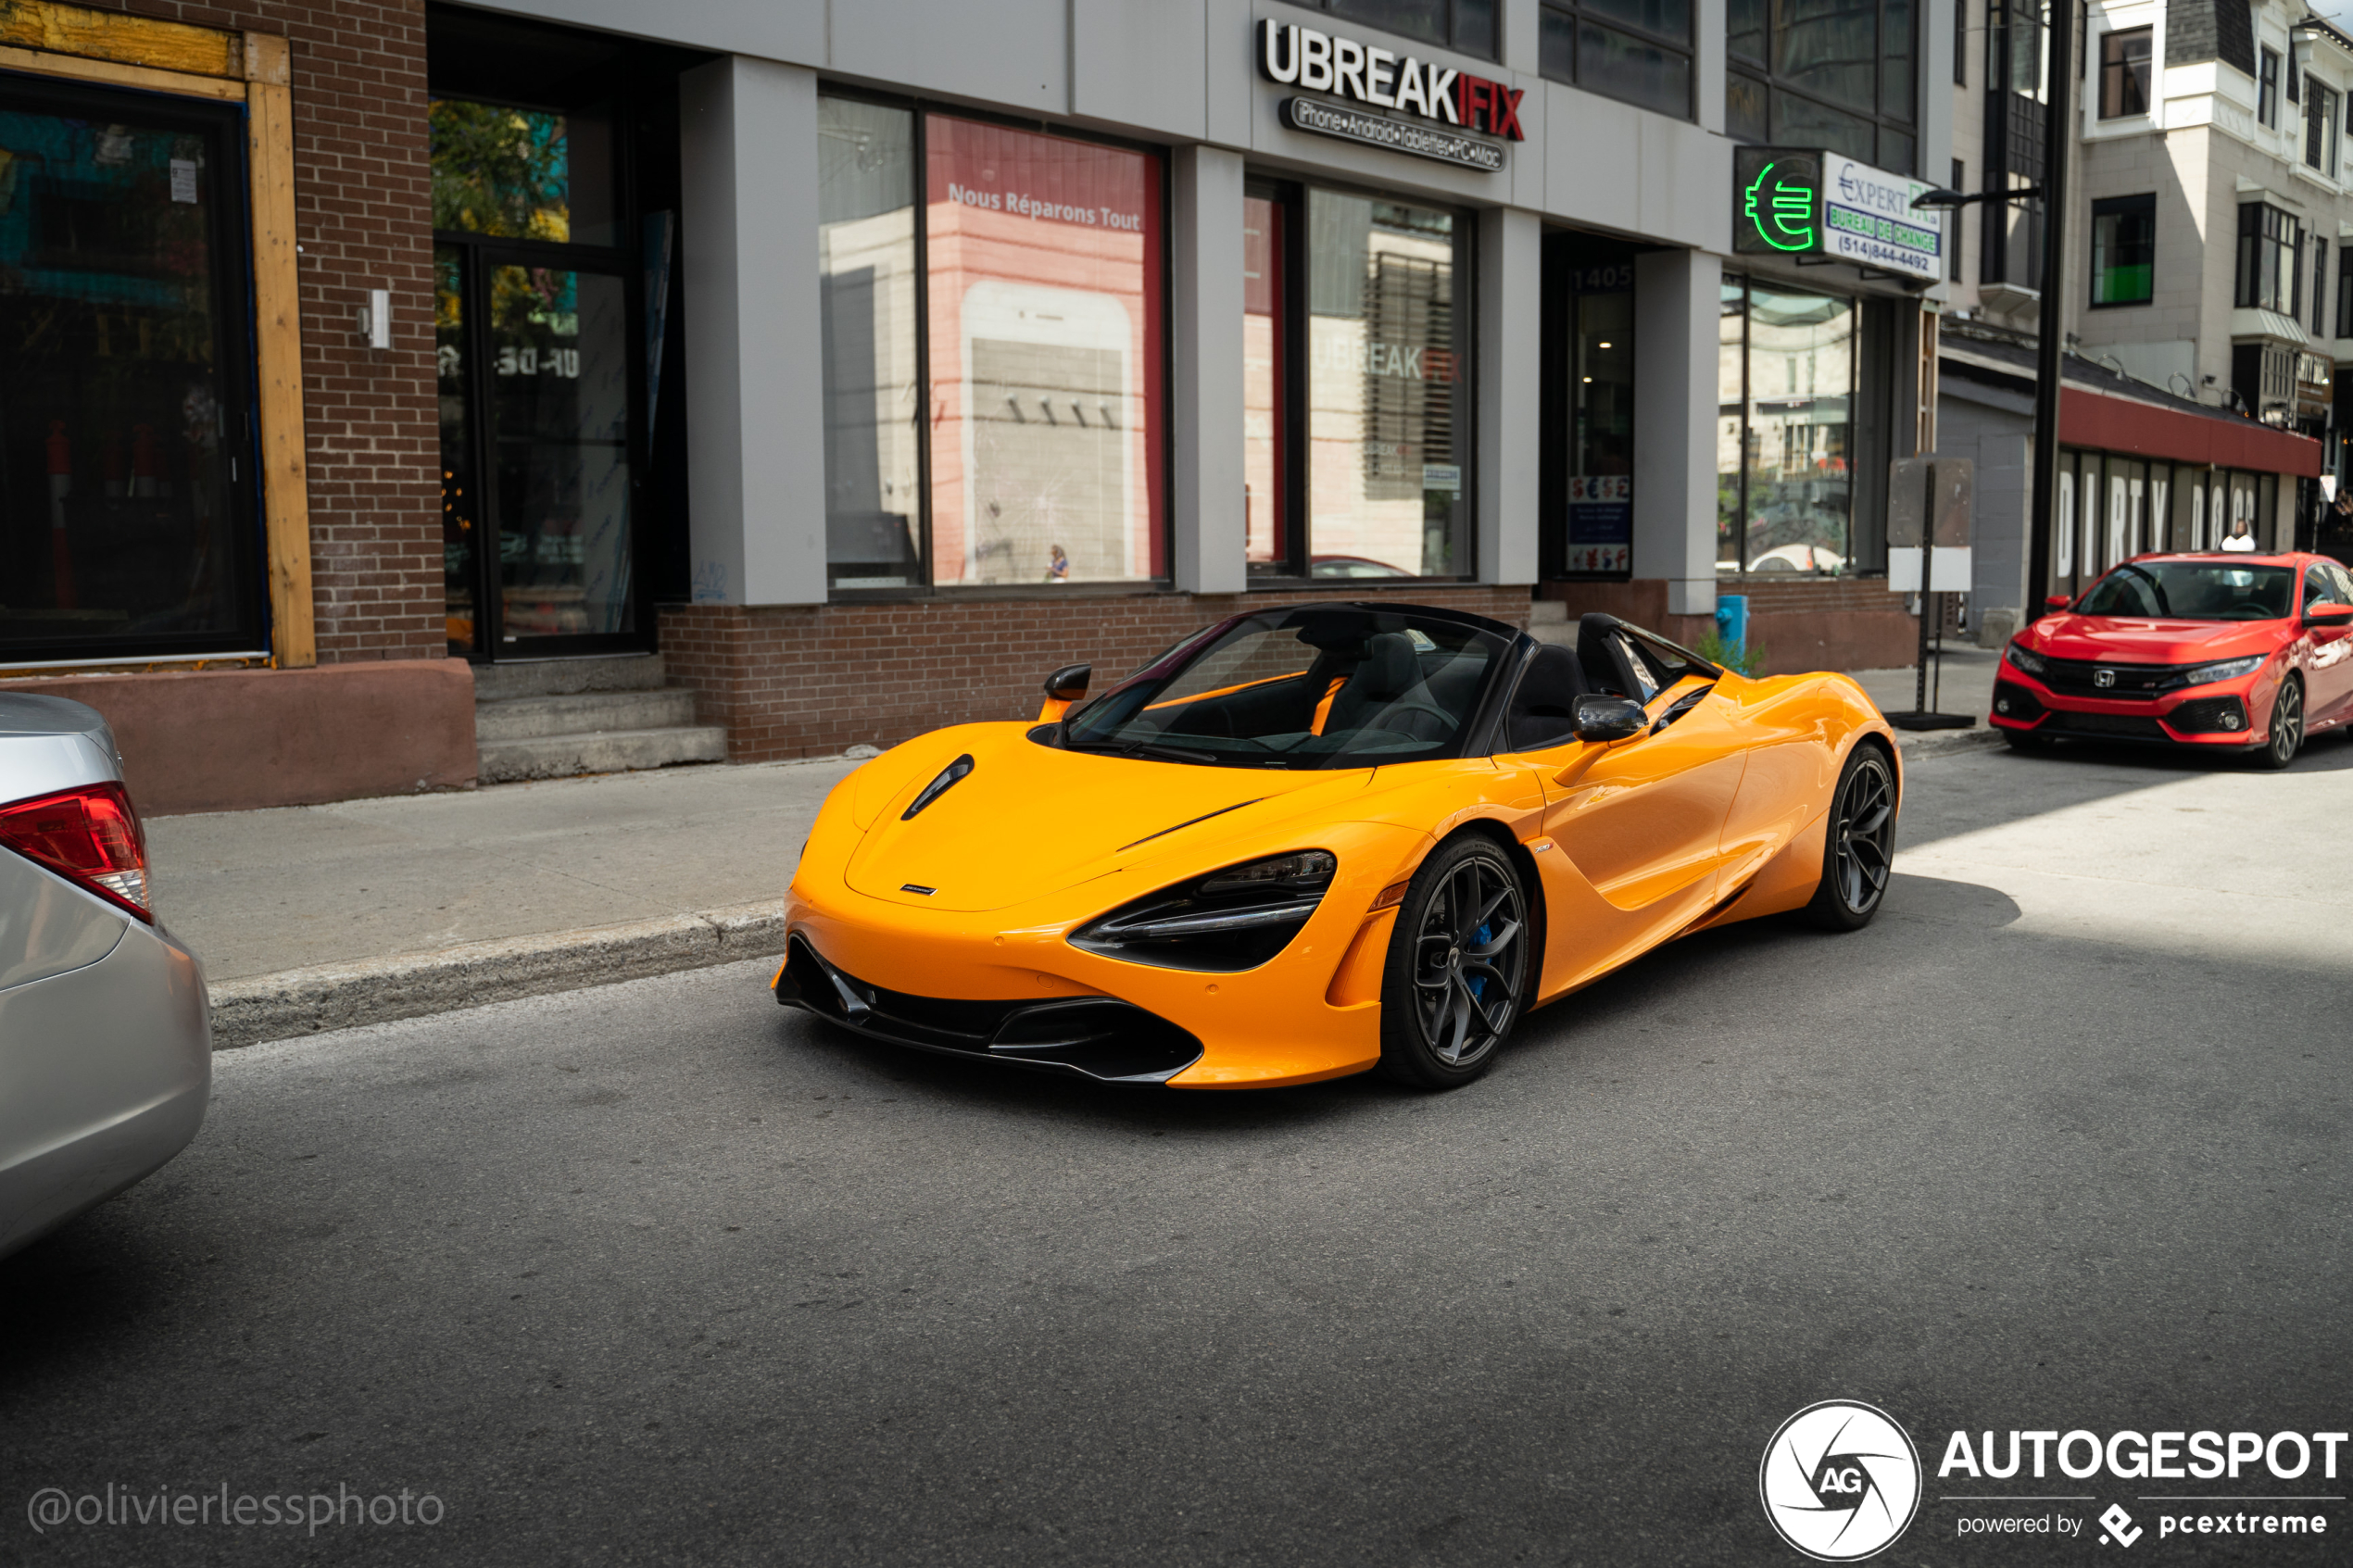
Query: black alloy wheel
pixel 1458 967
pixel 1860 853
pixel 2287 727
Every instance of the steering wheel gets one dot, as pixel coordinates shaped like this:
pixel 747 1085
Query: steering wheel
pixel 1413 708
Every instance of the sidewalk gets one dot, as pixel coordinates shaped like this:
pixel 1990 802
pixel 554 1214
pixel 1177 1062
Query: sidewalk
pixel 322 917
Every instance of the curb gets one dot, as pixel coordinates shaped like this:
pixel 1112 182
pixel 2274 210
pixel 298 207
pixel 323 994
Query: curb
pixel 342 996
pixel 1940 743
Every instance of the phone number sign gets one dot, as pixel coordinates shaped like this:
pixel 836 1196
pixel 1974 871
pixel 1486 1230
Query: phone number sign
pixel 1802 201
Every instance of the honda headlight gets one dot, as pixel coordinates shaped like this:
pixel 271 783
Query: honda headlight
pixel 1231 919
pixel 2228 670
pixel 2022 659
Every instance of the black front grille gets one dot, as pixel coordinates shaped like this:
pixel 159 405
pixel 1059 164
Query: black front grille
pixel 2122 726
pixel 1094 1036
pixel 2015 703
pixel 2210 716
pixel 2128 682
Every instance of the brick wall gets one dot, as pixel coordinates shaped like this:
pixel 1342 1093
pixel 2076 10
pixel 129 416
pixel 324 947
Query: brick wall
pixel 805 681
pixel 363 205
pixel 1796 625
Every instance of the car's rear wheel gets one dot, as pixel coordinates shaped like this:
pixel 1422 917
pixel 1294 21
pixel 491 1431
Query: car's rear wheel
pixel 2287 727
pixel 1858 854
pixel 1458 967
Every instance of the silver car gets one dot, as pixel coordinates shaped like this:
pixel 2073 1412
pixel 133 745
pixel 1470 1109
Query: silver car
pixel 105 1042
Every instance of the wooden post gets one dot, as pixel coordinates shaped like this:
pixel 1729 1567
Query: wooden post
pixel 277 291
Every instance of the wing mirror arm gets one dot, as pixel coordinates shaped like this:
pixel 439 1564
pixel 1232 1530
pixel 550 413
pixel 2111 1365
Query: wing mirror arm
pixel 1604 723
pixel 1065 688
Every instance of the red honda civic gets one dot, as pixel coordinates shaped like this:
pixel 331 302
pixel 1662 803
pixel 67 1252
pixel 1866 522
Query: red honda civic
pixel 2233 652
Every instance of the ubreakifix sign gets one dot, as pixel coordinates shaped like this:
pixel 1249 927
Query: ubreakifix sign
pixel 1448 106
pixel 1789 201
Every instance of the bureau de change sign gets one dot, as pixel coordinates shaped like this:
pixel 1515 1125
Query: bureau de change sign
pixel 1803 201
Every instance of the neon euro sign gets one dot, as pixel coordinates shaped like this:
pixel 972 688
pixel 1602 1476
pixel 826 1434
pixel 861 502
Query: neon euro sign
pixel 1783 202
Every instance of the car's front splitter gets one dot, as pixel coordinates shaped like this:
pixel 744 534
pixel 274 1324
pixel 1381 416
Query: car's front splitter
pixel 1311 1012
pixel 1098 1037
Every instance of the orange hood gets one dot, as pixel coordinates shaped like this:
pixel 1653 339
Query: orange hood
pixel 1030 819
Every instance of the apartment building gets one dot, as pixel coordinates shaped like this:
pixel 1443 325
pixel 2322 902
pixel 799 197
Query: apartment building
pixel 2207 304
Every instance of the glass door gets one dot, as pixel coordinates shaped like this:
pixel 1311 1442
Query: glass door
pixel 538 462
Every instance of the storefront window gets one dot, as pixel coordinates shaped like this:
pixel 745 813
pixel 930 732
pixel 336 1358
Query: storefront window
pixel 1786 391
pixel 1731 420
pixel 1022 443
pixel 1266 382
pixel 523 174
pixel 867 285
pixel 127 510
pixel 1386 390
pixel 1044 274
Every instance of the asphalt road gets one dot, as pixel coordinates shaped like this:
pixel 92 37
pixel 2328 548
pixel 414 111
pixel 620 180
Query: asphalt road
pixel 659 1273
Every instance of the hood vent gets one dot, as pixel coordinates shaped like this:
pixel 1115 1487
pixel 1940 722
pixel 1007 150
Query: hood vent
pixel 948 778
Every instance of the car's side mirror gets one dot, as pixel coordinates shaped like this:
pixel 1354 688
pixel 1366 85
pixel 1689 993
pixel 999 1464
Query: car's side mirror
pixel 1607 719
pixel 2328 615
pixel 2054 603
pixel 1063 688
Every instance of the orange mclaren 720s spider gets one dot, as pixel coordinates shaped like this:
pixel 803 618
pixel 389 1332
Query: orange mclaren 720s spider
pixel 1308 842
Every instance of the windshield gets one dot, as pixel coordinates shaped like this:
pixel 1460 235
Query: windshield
pixel 1326 687
pixel 2193 590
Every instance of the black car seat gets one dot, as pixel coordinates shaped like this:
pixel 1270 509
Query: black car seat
pixel 1388 676
pixel 1544 706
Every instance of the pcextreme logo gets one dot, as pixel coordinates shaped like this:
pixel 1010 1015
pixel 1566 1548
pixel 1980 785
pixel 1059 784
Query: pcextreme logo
pixel 1840 1481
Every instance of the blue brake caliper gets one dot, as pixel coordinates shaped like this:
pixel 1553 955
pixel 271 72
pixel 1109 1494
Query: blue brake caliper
pixel 1478 986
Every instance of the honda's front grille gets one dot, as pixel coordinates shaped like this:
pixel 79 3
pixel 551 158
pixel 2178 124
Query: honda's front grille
pixel 2125 683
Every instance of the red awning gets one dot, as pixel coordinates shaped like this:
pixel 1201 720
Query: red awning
pixel 2119 424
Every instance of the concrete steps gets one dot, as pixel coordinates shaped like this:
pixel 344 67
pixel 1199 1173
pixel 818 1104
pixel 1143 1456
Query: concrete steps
pixel 554 719
pixel 1548 622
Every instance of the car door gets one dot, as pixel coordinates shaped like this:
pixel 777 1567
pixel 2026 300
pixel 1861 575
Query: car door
pixel 2329 668
pixel 1640 820
pixel 1644 819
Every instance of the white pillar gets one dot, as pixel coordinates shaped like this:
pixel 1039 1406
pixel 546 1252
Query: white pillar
pixel 1675 345
pixel 1205 329
pixel 755 402
pixel 1511 272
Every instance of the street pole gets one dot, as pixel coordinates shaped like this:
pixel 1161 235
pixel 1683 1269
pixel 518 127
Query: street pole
pixel 2050 337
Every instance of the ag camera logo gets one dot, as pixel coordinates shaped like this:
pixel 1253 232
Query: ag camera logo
pixel 1840 1481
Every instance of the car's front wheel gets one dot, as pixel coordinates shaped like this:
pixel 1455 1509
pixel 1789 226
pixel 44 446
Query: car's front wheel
pixel 1458 967
pixel 2287 727
pixel 1859 853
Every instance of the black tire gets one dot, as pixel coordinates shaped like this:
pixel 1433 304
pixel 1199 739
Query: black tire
pixel 2288 728
pixel 1858 850
pixel 2025 740
pixel 1459 967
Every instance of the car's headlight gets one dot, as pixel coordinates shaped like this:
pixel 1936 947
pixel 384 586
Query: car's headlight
pixel 2228 670
pixel 2030 662
pixel 1231 919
